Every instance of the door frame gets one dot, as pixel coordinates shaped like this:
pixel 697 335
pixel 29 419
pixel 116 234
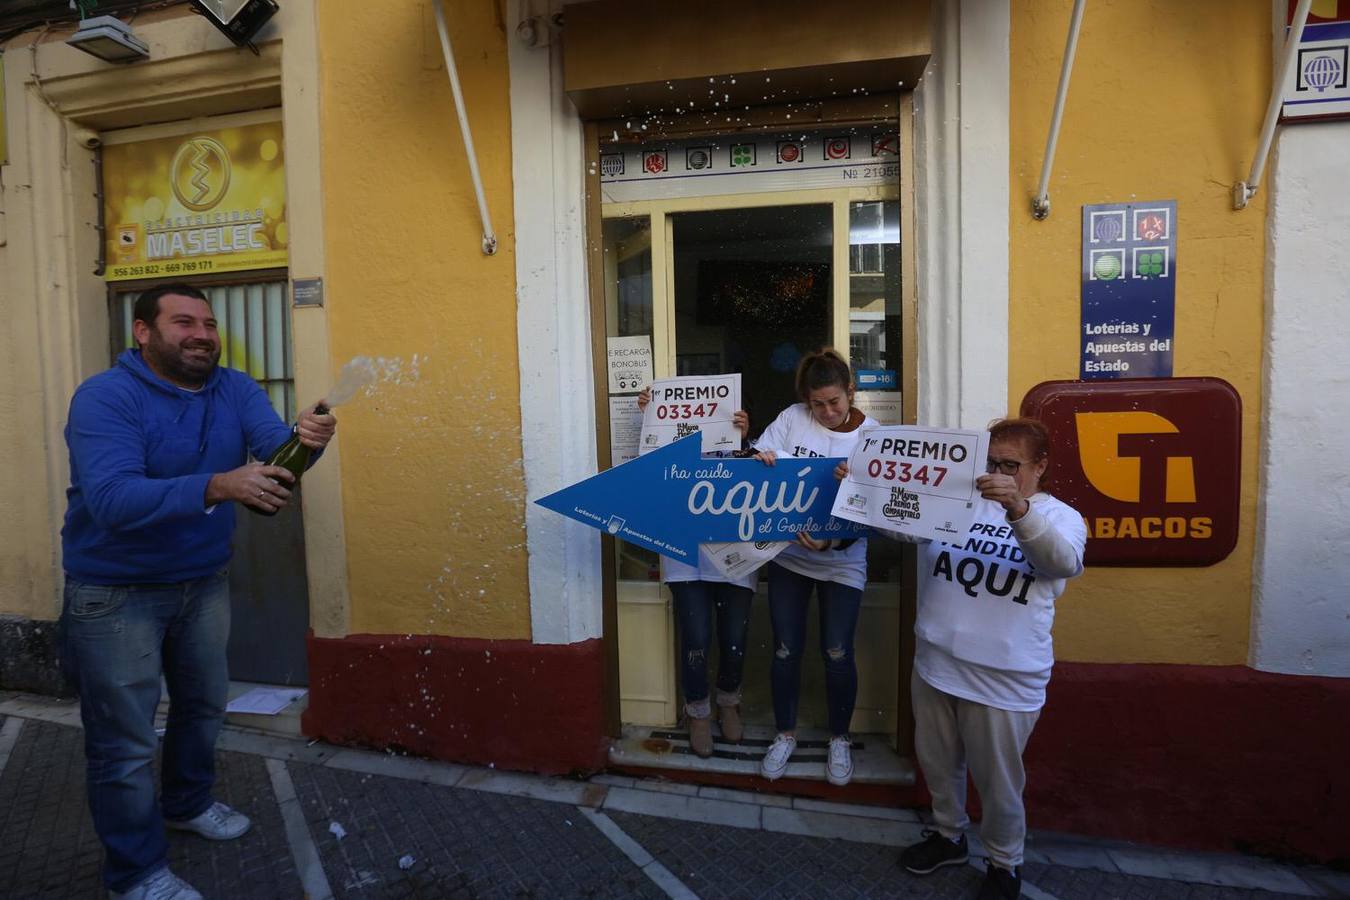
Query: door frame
pixel 662 312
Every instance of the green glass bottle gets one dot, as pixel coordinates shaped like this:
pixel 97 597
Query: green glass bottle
pixel 293 456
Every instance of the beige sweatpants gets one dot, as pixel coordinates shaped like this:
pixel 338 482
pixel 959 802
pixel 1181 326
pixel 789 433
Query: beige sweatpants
pixel 951 734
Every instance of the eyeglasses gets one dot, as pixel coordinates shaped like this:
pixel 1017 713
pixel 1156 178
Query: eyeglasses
pixel 1006 466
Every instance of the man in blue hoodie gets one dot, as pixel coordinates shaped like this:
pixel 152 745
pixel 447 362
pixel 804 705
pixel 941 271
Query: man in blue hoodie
pixel 159 446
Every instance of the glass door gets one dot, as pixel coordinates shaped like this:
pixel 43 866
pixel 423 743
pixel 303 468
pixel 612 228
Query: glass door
pixel 749 284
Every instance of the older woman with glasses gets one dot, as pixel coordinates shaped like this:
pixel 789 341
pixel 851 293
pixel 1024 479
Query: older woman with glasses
pixel 983 653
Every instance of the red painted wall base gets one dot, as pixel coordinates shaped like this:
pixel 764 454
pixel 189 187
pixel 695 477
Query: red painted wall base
pixel 511 704
pixel 1209 757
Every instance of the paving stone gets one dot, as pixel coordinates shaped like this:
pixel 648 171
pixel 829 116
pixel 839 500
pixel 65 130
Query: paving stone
pixel 739 864
pixel 1090 884
pixel 47 843
pixel 464 843
pixel 513 839
pixel 45 815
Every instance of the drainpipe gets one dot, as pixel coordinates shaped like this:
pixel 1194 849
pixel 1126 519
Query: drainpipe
pixel 489 236
pixel 1040 204
pixel 101 264
pixel 1244 191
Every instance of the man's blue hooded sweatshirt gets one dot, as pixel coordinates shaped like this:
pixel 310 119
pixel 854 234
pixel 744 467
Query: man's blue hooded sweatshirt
pixel 141 453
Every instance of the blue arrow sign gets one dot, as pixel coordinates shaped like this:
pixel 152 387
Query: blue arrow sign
pixel 672 500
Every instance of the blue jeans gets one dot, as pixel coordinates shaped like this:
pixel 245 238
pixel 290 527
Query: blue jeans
pixel 789 597
pixel 117 641
pixel 695 602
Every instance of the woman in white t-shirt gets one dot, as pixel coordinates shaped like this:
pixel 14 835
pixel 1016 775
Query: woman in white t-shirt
pixel 700 592
pixel 983 653
pixel 824 424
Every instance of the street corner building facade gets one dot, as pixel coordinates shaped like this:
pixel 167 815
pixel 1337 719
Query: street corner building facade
pixel 723 188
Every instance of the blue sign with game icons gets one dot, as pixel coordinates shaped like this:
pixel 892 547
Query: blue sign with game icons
pixel 1128 290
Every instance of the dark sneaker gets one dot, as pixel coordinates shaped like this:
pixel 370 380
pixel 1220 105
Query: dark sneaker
pixel 934 852
pixel 1000 884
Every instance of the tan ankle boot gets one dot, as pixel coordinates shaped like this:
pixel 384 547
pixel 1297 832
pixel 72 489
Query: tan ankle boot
pixel 733 729
pixel 700 736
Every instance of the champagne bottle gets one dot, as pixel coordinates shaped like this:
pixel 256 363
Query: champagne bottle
pixel 293 456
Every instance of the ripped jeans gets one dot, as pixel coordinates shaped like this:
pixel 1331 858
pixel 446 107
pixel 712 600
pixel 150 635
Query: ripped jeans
pixel 789 598
pixel 695 602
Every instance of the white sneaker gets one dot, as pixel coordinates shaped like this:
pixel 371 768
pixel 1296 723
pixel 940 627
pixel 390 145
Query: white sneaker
pixel 163 885
pixel 775 761
pixel 218 823
pixel 839 769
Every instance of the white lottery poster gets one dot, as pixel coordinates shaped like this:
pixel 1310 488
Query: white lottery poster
pixel 629 363
pixel 918 481
pixel 884 406
pixel 681 406
pixel 625 428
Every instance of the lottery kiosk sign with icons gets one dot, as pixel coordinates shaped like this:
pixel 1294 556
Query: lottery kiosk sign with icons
pixel 206 201
pixel 1320 88
pixel 1129 268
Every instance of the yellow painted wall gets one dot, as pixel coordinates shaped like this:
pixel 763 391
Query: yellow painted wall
pixel 433 487
pixel 1166 103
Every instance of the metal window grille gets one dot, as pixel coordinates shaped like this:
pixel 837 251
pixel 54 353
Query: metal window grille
pixel 255 335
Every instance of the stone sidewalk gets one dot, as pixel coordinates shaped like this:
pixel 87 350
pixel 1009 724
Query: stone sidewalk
pixel 339 823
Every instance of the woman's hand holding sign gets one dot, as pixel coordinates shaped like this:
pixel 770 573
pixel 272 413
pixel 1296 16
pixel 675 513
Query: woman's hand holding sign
pixel 1003 490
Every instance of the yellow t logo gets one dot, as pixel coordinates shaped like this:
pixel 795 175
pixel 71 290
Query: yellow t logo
pixel 1121 477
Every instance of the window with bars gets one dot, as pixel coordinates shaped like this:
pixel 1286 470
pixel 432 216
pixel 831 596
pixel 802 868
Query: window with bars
pixel 255 335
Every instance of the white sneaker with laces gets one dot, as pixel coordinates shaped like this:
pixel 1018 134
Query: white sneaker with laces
pixel 218 823
pixel 776 760
pixel 839 769
pixel 163 885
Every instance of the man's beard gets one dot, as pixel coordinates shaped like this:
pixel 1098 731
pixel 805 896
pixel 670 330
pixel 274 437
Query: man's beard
pixel 173 360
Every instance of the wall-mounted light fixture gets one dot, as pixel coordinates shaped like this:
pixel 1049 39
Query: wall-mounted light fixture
pixel 109 39
pixel 238 20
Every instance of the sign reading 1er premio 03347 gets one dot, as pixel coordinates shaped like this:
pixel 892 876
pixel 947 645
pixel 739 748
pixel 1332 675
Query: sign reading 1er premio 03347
pixel 1128 289
pixel 207 201
pixel 693 403
pixel 918 481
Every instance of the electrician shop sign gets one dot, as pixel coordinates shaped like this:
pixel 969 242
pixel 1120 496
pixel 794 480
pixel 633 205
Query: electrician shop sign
pixel 206 201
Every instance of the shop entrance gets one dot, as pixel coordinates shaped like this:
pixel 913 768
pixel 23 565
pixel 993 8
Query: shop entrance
pixel 725 276
pixel 204 202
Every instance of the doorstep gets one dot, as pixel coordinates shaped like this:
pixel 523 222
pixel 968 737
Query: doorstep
pixel 284 724
pixel 648 747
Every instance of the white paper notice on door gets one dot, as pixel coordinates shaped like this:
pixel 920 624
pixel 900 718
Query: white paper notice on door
pixel 682 406
pixel 629 363
pixel 884 406
pixel 625 429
